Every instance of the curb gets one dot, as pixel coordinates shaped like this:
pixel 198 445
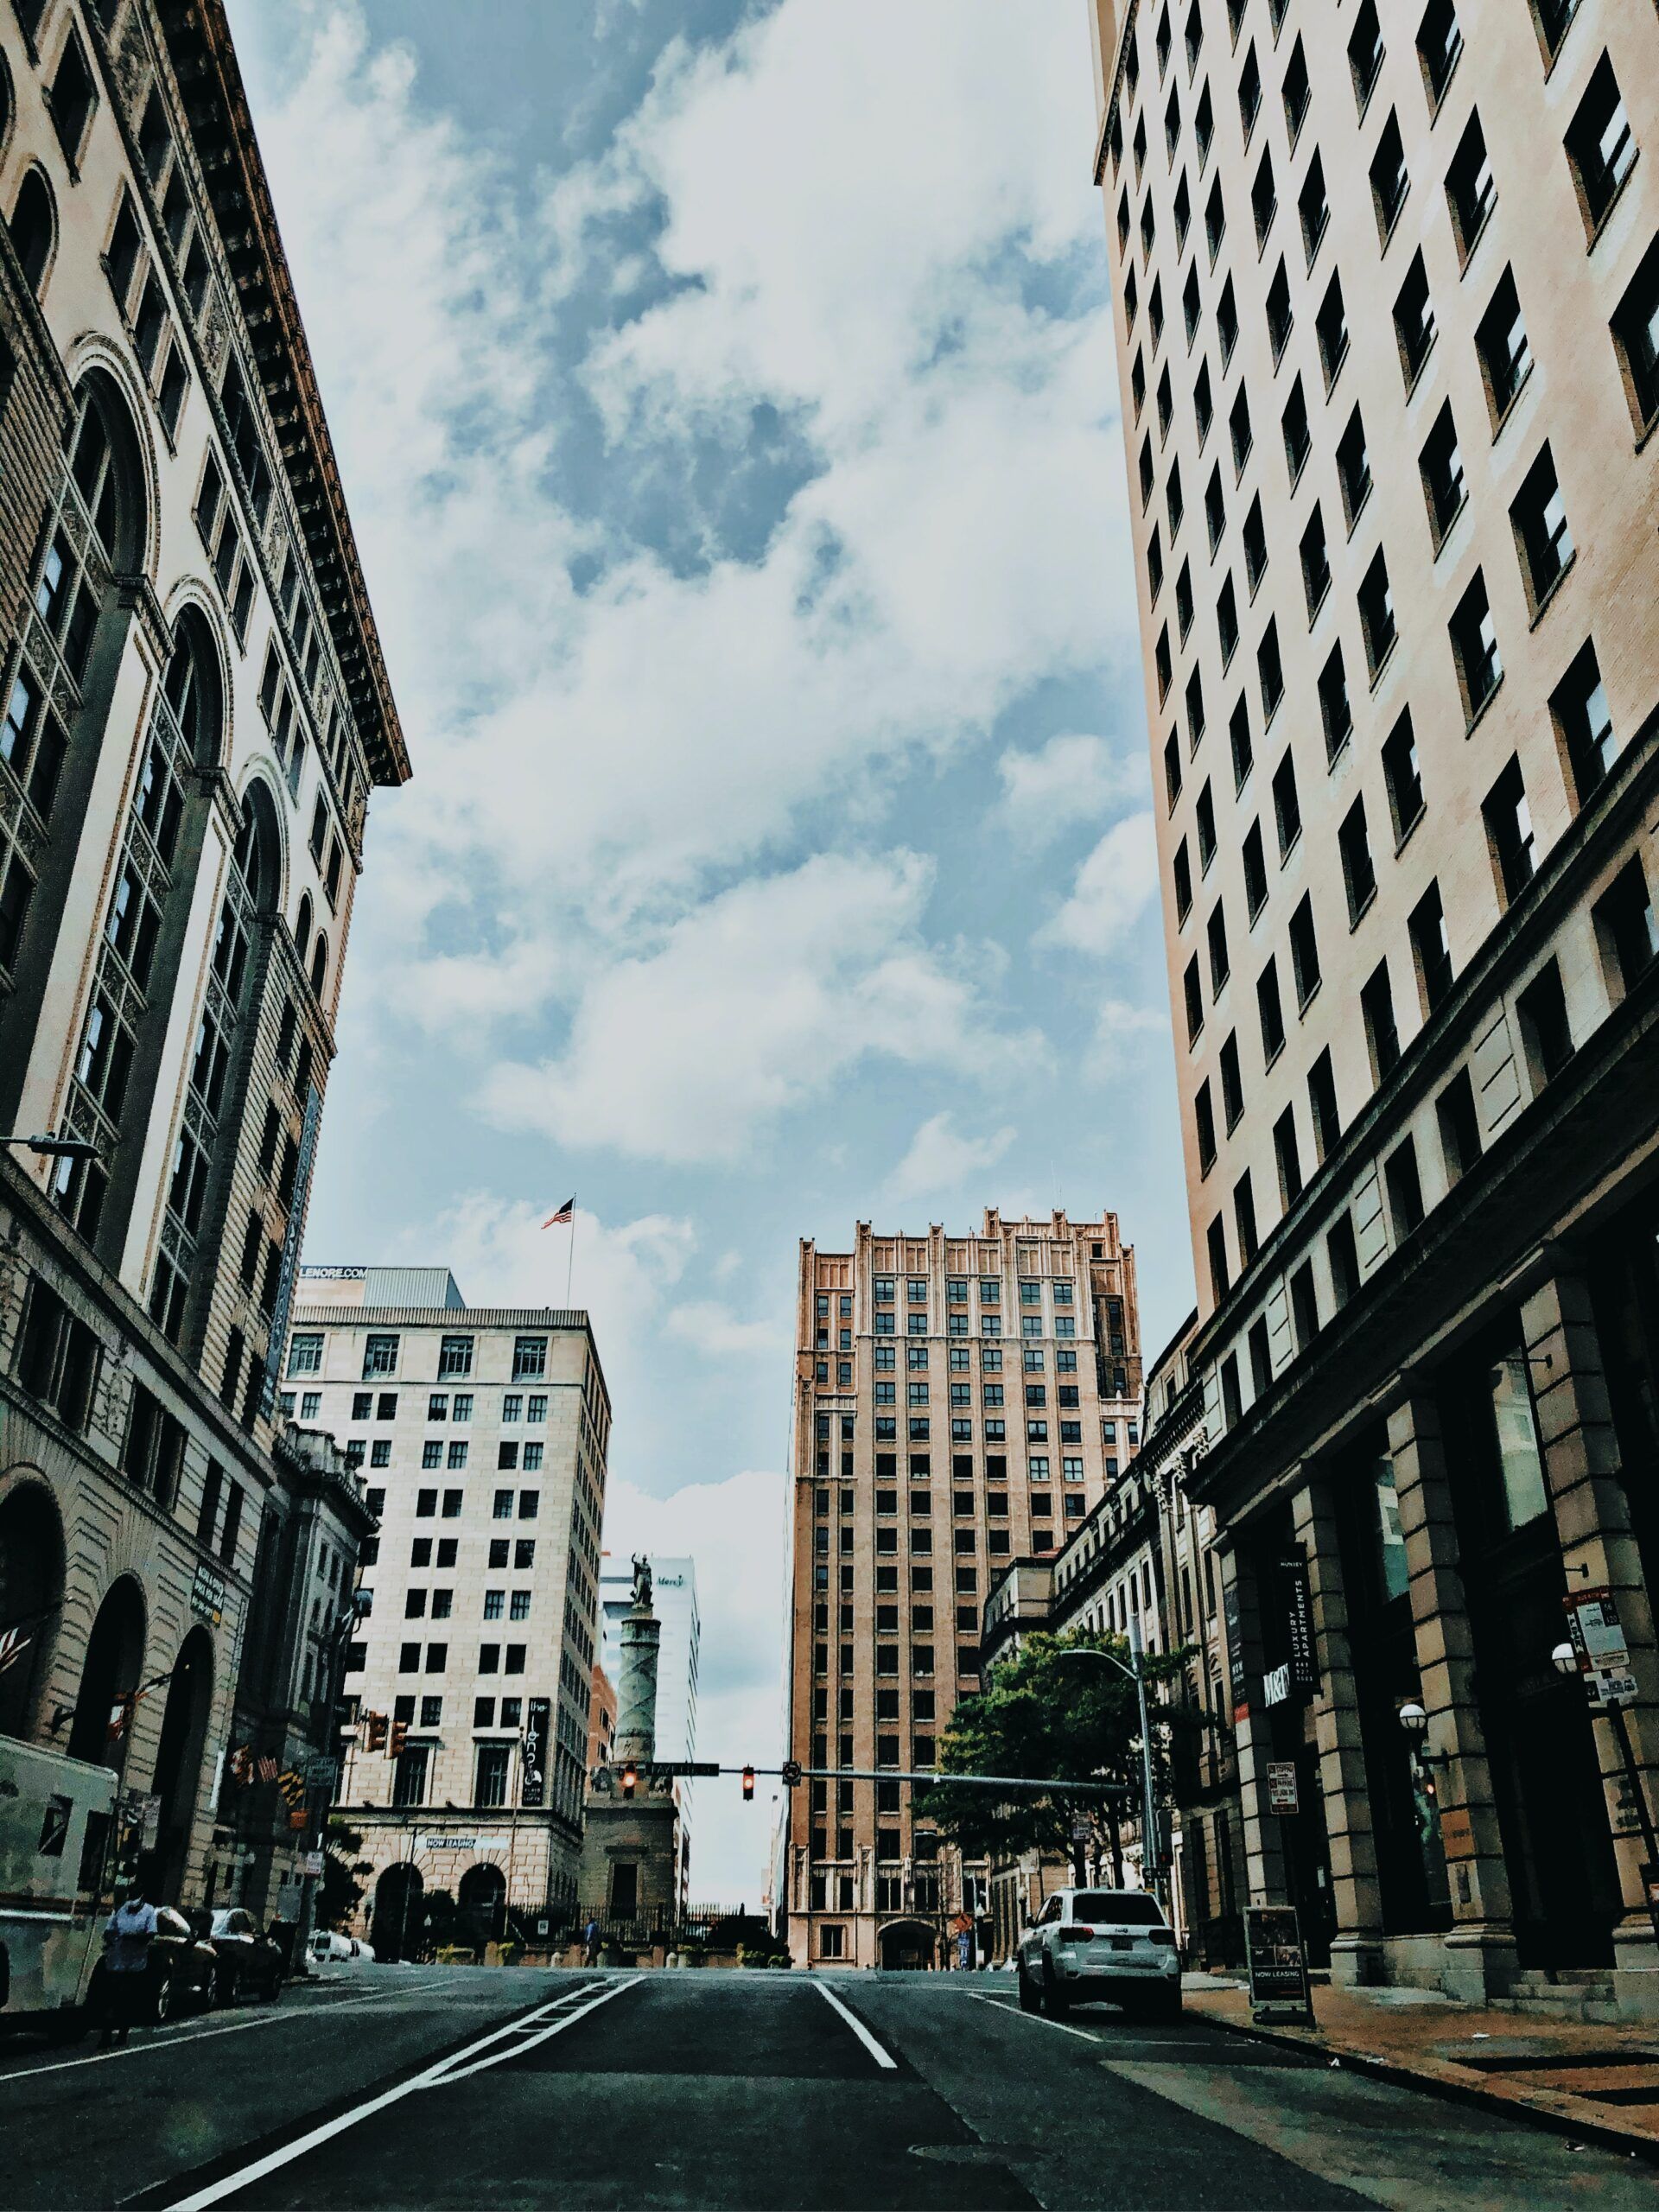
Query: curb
pixel 1605 2134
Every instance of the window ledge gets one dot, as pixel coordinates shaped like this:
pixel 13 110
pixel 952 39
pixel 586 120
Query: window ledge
pixel 1415 376
pixel 1381 668
pixel 1284 857
pixel 1409 832
pixel 1437 101
pixel 1466 246
pixel 1364 502
pixel 1302 1005
pixel 1561 575
pixel 1452 521
pixel 1511 404
pixel 1318 607
pixel 1364 908
pixel 1386 238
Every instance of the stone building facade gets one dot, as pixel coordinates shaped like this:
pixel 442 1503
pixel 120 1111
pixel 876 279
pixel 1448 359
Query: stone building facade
pixel 482 1433
pixel 1403 724
pixel 960 1401
pixel 195 709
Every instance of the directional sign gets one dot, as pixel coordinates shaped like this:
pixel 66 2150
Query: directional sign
pixel 791 1773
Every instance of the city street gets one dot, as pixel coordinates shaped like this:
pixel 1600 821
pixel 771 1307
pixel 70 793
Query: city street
pixel 450 2086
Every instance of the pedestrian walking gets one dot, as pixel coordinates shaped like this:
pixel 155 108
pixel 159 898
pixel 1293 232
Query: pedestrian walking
pixel 590 1941
pixel 127 1938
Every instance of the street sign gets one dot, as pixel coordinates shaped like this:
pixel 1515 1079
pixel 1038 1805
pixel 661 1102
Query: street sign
pixel 791 1773
pixel 207 1596
pixel 1598 1640
pixel 310 1862
pixel 1281 1786
pixel 1276 1963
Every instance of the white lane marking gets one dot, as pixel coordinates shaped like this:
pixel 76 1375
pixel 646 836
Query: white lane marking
pixel 208 2031
pixel 433 2076
pixel 1042 2018
pixel 454 2072
pixel 880 2056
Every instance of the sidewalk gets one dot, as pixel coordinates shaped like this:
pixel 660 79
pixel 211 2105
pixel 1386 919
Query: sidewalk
pixel 1598 2084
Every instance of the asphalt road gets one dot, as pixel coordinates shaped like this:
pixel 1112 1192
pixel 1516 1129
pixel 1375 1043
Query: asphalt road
pixel 393 2086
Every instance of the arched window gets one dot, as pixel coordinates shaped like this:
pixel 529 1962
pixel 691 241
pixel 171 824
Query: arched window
pixel 319 963
pixel 34 228
pixel 303 928
pixel 250 890
pixel 6 105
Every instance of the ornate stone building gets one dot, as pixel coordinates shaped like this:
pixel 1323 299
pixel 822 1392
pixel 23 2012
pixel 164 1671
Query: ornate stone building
pixel 1402 717
pixel 196 709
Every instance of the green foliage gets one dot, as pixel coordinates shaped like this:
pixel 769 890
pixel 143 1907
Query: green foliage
pixel 1044 1717
pixel 341 1892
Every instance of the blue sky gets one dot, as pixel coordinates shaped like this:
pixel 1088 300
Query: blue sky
pixel 726 402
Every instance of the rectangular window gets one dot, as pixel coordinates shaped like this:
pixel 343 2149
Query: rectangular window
pixel 1545 1031
pixel 1271 1013
pixel 1509 832
pixel 1359 875
pixel 1600 145
pixel 456 1356
pixel 1635 327
pixel 1390 181
pixel 1538 517
pixel 1382 1035
pixel 1335 712
pixel 1474 647
pixel 1583 724
pixel 1501 342
pixel 1471 193
pixel 1354 468
pixel 1304 951
pixel 1440 465
pixel 1404 1188
pixel 1431 948
pixel 379 1356
pixel 1403 778
pixel 1287 1158
pixel 1459 1125
pixel 1415 327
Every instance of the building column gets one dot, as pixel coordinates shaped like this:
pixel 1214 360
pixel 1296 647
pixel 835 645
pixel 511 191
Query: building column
pixel 1480 1946
pixel 1264 1851
pixel 1356 1948
pixel 1592 1522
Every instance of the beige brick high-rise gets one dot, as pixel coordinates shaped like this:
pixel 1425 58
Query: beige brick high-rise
pixel 960 1401
pixel 482 1434
pixel 193 710
pixel 1387 316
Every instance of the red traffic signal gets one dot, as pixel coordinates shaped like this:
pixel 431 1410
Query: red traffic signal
pixel 630 1776
pixel 749 1785
pixel 375 1740
pixel 398 1739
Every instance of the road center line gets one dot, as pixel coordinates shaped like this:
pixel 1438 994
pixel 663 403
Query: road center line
pixel 533 2036
pixel 433 2076
pixel 1042 2018
pixel 880 2056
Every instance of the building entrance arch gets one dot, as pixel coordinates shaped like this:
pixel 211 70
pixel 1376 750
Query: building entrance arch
pixel 31 1595
pixel 114 1663
pixel 907 1947
pixel 178 1757
pixel 482 1903
pixel 397 1924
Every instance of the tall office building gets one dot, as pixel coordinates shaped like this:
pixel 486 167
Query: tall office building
pixel 959 1401
pixel 674 1584
pixel 193 707
pixel 481 1433
pixel 1387 315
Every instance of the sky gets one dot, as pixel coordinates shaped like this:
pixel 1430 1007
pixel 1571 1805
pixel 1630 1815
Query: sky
pixel 725 399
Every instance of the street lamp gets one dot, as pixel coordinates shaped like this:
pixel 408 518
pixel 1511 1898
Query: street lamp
pixel 1148 1795
pixel 51 1147
pixel 1565 1659
pixel 1414 1721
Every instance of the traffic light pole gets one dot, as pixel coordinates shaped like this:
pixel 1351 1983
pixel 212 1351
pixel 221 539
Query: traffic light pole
pixel 791 1771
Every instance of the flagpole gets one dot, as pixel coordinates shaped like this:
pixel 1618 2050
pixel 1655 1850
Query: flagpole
pixel 570 1257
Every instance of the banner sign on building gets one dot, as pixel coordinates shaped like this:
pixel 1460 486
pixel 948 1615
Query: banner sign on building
pixel 1299 1622
pixel 1235 1632
pixel 533 1790
pixel 282 1305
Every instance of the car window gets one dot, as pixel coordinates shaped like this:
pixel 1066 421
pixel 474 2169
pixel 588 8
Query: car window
pixel 1118 1907
pixel 1050 1911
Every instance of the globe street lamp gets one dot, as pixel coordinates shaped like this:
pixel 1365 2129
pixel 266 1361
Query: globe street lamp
pixel 1565 1659
pixel 1136 1674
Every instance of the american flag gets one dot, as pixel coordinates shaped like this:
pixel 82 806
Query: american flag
pixel 267 1769
pixel 566 1212
pixel 13 1644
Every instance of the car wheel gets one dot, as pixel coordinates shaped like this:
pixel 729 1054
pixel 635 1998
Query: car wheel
pixel 224 1986
pixel 1056 2003
pixel 160 2003
pixel 273 1989
pixel 1027 1989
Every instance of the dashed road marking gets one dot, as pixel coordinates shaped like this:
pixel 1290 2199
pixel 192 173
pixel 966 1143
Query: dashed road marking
pixel 881 2057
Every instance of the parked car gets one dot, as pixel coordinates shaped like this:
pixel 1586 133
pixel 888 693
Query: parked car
pixel 246 1957
pixel 180 1975
pixel 1090 1945
pixel 327 1946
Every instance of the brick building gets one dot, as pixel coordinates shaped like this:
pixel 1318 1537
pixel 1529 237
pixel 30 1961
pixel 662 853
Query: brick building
pixel 1403 718
pixel 195 710
pixel 960 1401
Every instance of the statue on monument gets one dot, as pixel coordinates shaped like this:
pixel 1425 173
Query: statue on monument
pixel 641 1582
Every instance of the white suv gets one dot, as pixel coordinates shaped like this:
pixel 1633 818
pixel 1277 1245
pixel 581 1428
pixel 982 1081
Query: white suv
pixel 1089 1944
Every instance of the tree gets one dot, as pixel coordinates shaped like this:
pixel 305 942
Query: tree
pixel 1042 1717
pixel 341 1892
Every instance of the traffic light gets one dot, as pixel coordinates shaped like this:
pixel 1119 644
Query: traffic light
pixel 399 1737
pixel 630 1775
pixel 375 1740
pixel 749 1785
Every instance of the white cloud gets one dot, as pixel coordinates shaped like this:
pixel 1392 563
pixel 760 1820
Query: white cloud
pixel 715 1331
pixel 1071 779
pixel 736 1532
pixel 1111 890
pixel 938 1159
pixel 1123 1037
pixel 751 1006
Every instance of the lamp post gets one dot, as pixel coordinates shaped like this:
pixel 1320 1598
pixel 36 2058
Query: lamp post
pixel 1136 1674
pixel 51 1147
